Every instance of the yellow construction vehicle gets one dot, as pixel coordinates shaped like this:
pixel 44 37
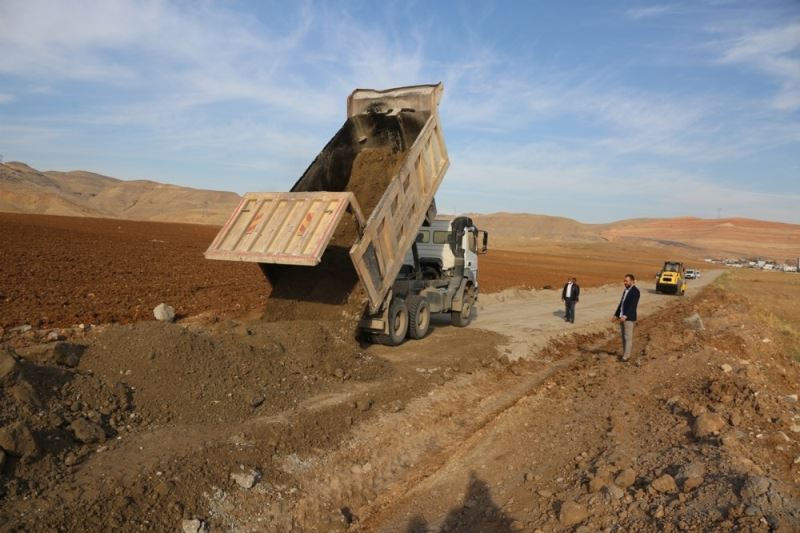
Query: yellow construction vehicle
pixel 671 279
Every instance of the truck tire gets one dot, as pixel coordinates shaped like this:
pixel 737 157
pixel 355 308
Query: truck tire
pixel 398 324
pixel 419 316
pixel 463 317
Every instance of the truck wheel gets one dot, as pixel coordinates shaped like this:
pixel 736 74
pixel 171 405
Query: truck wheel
pixel 463 318
pixel 419 316
pixel 398 324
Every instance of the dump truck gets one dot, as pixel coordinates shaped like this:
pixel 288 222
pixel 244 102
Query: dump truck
pixel 409 262
pixel 671 279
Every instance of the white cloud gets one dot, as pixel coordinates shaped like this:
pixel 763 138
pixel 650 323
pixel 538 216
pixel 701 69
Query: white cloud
pixel 772 51
pixel 649 11
pixel 6 98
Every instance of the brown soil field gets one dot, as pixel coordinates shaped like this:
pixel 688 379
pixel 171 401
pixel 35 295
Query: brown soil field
pixel 60 271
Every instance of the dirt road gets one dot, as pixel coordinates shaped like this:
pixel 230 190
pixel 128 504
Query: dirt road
pixel 530 319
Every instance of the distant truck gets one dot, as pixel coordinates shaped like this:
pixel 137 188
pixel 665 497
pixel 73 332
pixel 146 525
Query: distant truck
pixel 691 273
pixel 410 262
pixel 671 279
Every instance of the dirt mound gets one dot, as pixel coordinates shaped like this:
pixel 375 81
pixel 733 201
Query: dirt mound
pixel 185 376
pixel 330 291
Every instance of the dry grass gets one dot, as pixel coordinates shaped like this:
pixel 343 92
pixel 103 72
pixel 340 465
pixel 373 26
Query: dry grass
pixel 776 295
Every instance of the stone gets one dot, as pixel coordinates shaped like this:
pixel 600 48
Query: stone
pixel 726 368
pixel 255 399
pixel 54 336
pixel 67 354
pixel 791 398
pixel 194 525
pixel 164 312
pixel 9 368
pixel 708 424
pixel 754 486
pixel 597 483
pixel 17 440
pixel 691 483
pixel 339 373
pixel 626 478
pixel 693 469
pixel 694 322
pixel 572 513
pixel 664 483
pixel 23 392
pixel 87 432
pixel 613 492
pixel 246 480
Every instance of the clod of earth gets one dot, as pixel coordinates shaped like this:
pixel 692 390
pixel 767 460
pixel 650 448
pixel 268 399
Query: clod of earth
pixel 572 513
pixel 708 424
pixel 87 432
pixel 664 483
pixel 17 440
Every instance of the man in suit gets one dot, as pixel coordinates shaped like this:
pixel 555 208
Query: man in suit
pixel 570 294
pixel 626 314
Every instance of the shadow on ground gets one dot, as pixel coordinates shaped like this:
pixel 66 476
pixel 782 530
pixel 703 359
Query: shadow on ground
pixel 478 513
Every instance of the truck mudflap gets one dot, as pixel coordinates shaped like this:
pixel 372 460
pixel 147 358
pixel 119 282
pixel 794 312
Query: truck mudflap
pixel 285 228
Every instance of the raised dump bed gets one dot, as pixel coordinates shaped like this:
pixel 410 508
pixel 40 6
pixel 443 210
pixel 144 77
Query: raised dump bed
pixel 383 167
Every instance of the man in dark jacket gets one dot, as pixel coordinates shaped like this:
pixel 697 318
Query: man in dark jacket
pixel 570 294
pixel 626 314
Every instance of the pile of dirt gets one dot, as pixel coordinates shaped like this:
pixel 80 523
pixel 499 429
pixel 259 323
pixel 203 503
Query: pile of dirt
pixel 330 291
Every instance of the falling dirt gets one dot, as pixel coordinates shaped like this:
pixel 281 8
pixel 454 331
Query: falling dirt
pixel 330 291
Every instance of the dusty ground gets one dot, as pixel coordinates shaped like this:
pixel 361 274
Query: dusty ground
pixel 518 422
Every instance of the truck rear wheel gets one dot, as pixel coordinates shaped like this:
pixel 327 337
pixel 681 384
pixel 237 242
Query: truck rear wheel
pixel 419 316
pixel 398 324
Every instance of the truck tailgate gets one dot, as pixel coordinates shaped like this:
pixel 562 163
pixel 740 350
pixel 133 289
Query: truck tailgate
pixel 279 227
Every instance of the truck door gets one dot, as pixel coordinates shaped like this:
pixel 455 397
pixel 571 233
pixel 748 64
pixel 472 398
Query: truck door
pixel 470 246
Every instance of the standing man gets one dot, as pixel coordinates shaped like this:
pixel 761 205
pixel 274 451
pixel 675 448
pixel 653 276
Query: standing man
pixel 626 314
pixel 570 294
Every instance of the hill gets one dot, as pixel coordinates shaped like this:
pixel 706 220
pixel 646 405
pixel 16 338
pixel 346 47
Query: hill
pixel 26 190
pixel 78 193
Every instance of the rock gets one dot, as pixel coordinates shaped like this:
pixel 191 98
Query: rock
pixel 364 404
pixel 396 406
pixel 626 478
pixel 54 336
pixel 23 392
pixel 613 492
pixel 164 312
pixel 246 480
pixel 664 483
pixel 16 439
pixel 572 513
pixel 726 368
pixel 694 322
pixel 691 483
pixel 794 428
pixel 597 483
pixel 255 399
pixel 791 398
pixel 67 354
pixel 693 469
pixel 87 432
pixel 195 525
pixel 529 476
pixel 339 373
pixel 708 424
pixel 9 368
pixel 754 486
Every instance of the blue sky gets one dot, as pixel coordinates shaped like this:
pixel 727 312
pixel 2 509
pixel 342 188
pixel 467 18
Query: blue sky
pixel 596 111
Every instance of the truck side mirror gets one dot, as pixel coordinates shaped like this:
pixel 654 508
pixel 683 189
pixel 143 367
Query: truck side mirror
pixel 483 242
